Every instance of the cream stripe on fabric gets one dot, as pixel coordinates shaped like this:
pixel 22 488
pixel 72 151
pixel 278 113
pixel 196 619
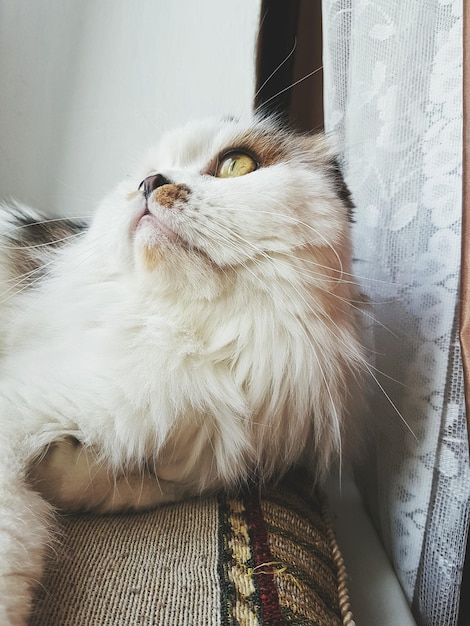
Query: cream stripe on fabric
pixel 148 569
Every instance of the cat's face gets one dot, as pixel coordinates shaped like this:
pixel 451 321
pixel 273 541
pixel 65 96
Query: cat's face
pixel 224 194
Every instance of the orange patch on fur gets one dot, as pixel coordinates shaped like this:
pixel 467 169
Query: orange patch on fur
pixel 168 195
pixel 151 256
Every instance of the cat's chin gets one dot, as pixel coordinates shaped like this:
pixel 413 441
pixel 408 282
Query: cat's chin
pixel 153 239
pixel 149 225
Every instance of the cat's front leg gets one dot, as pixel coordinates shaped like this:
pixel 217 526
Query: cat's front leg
pixel 24 536
pixel 73 477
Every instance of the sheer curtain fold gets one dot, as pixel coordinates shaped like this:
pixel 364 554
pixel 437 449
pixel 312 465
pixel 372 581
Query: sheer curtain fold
pixel 465 281
pixel 393 80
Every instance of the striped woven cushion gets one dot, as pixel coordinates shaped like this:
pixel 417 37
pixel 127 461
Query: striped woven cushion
pixel 220 561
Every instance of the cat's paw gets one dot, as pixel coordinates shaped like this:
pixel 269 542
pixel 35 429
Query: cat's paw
pixel 24 537
pixel 71 477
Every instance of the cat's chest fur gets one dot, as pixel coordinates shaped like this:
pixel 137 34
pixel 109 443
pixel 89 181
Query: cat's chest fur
pixel 92 357
pixel 200 390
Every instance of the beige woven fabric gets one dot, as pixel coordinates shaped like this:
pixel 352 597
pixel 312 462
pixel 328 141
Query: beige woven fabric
pixel 240 560
pixel 151 569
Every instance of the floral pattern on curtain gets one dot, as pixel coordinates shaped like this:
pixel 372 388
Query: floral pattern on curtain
pixel 393 82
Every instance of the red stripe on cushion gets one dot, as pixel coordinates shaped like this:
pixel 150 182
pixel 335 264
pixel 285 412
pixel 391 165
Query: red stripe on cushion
pixel 264 574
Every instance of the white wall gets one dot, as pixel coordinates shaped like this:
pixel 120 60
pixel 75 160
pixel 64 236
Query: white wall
pixel 86 86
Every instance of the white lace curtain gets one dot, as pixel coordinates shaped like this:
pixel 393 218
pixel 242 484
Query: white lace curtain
pixel 393 81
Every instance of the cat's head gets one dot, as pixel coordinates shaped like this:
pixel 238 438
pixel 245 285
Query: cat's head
pixel 217 196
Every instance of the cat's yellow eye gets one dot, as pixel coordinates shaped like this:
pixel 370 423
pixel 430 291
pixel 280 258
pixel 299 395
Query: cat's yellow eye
pixel 235 164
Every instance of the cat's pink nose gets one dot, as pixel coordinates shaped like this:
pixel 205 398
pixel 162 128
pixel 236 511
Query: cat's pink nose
pixel 152 182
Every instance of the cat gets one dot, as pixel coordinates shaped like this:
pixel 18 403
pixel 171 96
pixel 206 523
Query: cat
pixel 198 332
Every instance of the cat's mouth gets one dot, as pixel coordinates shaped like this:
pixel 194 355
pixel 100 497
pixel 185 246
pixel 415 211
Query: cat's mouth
pixel 156 233
pixel 148 219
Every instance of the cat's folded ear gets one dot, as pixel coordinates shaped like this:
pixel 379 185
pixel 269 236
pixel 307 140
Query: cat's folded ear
pixel 342 188
pixel 322 148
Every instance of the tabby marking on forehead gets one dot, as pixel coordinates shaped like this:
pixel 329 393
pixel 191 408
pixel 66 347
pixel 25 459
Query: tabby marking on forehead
pixel 268 149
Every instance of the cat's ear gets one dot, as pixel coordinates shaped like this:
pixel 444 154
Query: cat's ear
pixel 342 188
pixel 323 149
pixel 320 147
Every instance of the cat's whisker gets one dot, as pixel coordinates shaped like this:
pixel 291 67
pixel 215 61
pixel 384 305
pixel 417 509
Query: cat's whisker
pixel 266 256
pixel 16 281
pixel 351 302
pixel 291 219
pixel 329 270
pixel 31 285
pixel 357 280
pixel 209 439
pixel 276 70
pixel 314 352
pixel 78 192
pixel 364 363
pixel 223 237
pixel 24 287
pixel 387 376
pixel 41 245
pixel 391 402
pixel 300 80
pixel 52 220
pixel 369 369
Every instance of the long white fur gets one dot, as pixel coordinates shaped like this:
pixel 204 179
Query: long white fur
pixel 179 368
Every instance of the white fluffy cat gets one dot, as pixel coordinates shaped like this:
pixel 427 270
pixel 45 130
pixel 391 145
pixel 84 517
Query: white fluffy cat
pixel 199 333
